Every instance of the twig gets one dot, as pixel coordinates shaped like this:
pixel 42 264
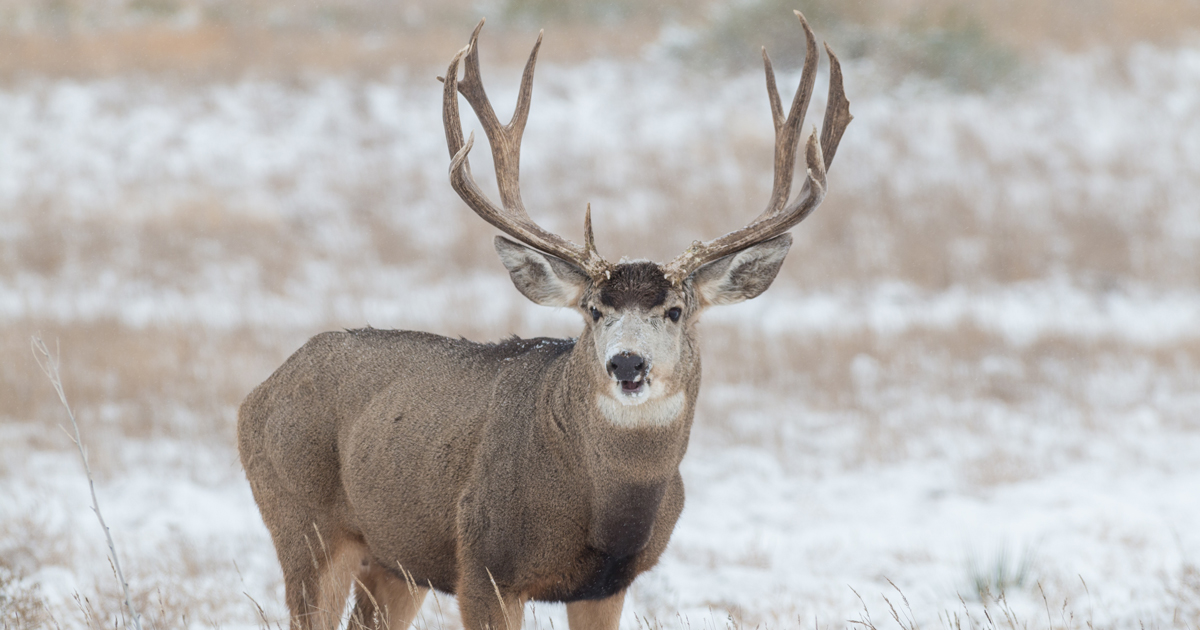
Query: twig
pixel 864 619
pixel 262 614
pixel 438 603
pixel 411 583
pixel 379 617
pixel 1046 601
pixel 49 364
pixel 912 623
pixel 503 608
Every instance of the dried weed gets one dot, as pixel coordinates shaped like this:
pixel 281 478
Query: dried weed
pixel 141 382
pixel 21 604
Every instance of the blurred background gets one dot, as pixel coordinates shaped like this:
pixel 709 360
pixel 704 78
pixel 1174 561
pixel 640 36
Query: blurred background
pixel 972 388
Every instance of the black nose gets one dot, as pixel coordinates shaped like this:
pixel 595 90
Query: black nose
pixel 626 366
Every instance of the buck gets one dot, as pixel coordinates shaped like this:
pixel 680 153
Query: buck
pixel 394 462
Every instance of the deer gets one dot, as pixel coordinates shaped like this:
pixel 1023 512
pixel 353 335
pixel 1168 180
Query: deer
pixel 387 464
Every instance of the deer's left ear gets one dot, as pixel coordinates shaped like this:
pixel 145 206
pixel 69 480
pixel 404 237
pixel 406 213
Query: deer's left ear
pixel 545 279
pixel 741 276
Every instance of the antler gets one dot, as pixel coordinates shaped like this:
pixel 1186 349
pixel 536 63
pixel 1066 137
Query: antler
pixel 505 140
pixel 779 216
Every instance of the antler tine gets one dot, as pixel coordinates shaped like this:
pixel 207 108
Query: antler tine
pixel 837 110
pixel 521 112
pixel 777 115
pixel 779 216
pixel 471 85
pixel 511 218
pixel 787 131
pixel 450 119
pixel 589 239
pixel 505 140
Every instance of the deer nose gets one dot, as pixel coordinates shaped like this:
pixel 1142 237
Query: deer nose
pixel 626 366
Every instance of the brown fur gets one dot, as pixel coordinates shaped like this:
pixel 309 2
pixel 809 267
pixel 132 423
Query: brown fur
pixel 641 284
pixel 508 477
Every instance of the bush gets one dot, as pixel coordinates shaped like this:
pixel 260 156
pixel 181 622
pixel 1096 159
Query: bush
pixel 538 13
pixel 953 45
pixel 737 32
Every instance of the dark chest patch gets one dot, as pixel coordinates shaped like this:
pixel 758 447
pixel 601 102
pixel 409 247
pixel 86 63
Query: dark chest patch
pixel 600 576
pixel 609 575
pixel 627 519
pixel 609 562
pixel 638 284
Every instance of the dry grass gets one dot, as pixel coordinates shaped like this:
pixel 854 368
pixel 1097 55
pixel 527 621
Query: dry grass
pixel 21 604
pixel 895 394
pixel 1186 591
pixel 140 383
pixel 1079 24
pixel 962 360
pixel 151 382
pixel 208 40
pixel 177 591
pixel 221 52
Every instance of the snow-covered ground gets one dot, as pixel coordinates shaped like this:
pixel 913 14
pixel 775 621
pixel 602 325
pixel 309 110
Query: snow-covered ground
pixel 875 426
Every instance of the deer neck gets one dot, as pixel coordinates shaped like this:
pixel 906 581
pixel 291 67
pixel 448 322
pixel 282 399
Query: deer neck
pixel 628 458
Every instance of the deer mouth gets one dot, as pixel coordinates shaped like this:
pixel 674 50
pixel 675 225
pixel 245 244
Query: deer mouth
pixel 634 387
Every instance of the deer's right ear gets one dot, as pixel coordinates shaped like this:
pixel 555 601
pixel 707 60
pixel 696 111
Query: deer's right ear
pixel 545 279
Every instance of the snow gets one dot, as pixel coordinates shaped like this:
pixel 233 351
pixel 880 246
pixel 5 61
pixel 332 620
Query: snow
pixel 917 482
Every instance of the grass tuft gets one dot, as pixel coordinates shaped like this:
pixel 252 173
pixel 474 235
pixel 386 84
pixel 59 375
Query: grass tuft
pixel 993 579
pixel 22 606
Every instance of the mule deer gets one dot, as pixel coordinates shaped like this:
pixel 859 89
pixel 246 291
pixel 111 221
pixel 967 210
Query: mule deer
pixel 393 462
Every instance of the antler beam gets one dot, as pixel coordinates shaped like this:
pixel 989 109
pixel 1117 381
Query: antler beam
pixel 779 216
pixel 510 217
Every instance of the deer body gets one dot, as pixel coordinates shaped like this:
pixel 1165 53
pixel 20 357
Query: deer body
pixel 398 473
pixel 392 462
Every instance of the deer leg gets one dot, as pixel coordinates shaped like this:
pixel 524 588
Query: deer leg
pixel 384 601
pixel 596 614
pixel 317 576
pixel 484 606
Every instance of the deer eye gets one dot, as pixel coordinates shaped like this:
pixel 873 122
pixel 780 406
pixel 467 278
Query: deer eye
pixel 595 314
pixel 674 313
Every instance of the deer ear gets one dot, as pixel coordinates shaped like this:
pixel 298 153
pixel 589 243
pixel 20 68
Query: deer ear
pixel 741 276
pixel 545 279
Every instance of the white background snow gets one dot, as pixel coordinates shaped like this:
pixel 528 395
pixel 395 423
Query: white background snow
pixel 929 469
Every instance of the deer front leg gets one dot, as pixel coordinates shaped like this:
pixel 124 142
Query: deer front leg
pixel 384 601
pixel 486 606
pixel 596 614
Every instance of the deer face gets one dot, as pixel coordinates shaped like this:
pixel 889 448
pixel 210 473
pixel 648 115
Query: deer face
pixel 638 324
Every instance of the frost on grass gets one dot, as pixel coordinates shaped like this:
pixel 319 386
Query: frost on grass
pixel 21 604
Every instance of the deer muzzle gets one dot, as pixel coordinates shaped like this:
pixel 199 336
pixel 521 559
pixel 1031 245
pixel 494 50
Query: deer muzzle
pixel 630 369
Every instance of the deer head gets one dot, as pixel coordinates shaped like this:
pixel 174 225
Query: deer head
pixel 639 316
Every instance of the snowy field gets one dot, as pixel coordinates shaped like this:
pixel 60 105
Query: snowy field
pixel 975 375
